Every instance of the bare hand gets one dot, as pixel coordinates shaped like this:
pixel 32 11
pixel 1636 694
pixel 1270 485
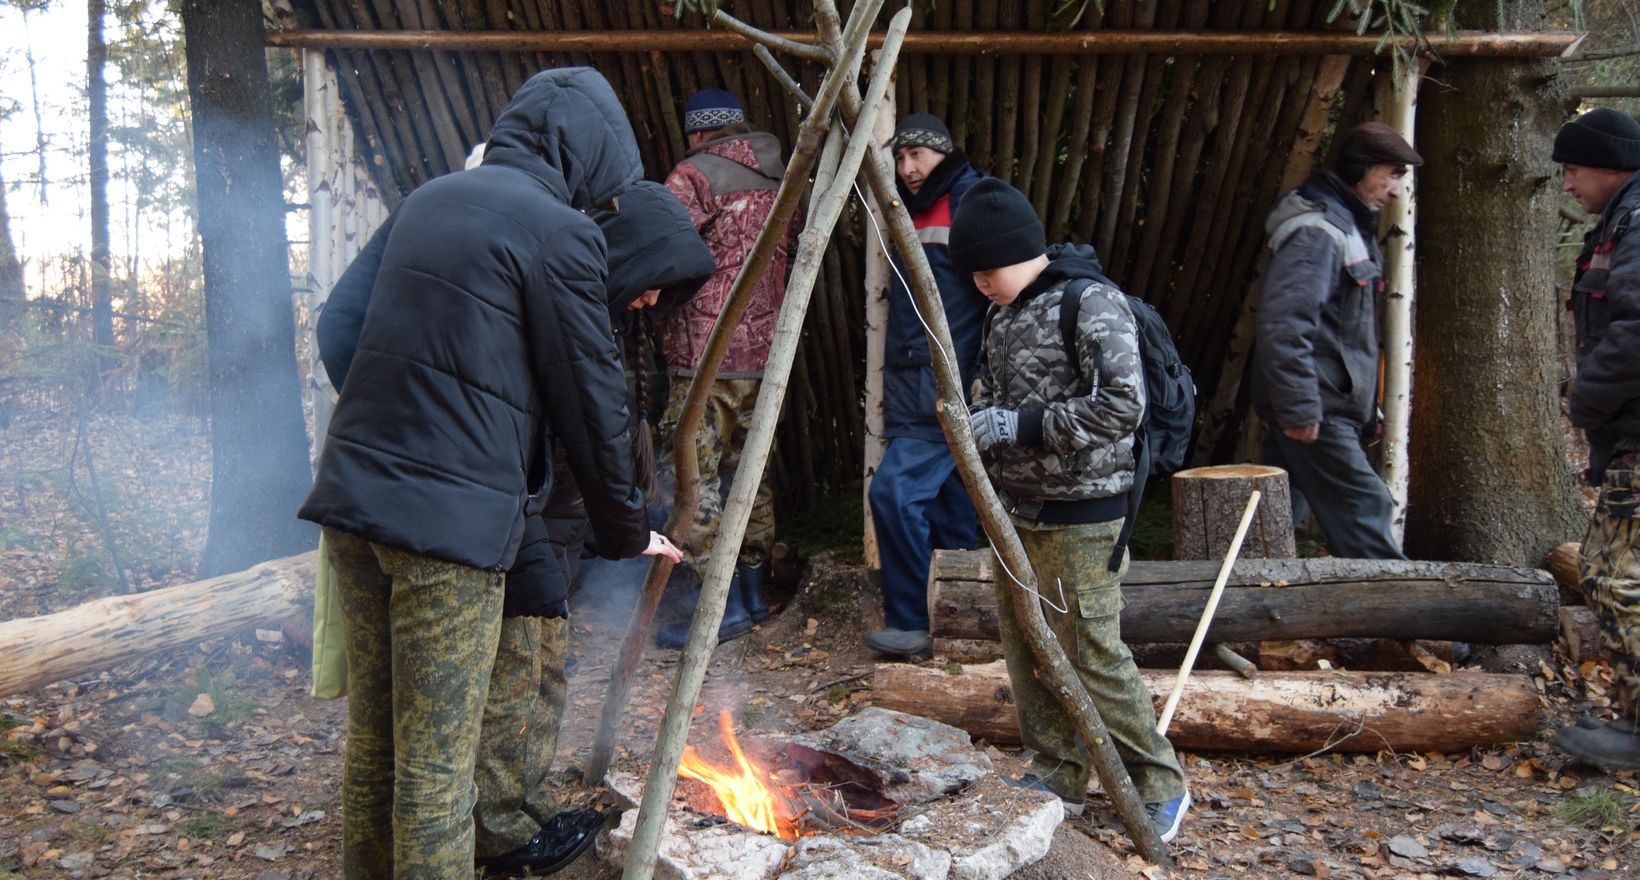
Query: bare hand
pixel 660 545
pixel 1305 434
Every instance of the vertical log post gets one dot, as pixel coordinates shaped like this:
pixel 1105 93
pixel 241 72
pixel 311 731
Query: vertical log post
pixel 1397 103
pixel 663 766
pixel 878 290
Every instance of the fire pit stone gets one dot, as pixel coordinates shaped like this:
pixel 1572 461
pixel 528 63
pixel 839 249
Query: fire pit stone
pixel 919 759
pixel 881 857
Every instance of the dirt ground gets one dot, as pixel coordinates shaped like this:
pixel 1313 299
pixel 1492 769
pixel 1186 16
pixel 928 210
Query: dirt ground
pixel 212 761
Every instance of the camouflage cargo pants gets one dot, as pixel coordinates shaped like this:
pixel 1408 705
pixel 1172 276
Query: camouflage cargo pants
pixel 520 735
pixel 722 435
pixel 421 634
pixel 1609 569
pixel 1090 632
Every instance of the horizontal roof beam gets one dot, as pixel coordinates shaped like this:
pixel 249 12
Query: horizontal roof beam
pixel 1463 44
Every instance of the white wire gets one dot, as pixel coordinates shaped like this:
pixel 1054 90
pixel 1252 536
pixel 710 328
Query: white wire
pixel 1063 607
pixel 882 242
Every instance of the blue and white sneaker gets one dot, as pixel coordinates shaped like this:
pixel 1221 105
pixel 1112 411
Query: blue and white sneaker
pixel 1032 782
pixel 1165 817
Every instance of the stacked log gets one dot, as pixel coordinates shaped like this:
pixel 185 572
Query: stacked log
pixel 1268 599
pixel 1292 712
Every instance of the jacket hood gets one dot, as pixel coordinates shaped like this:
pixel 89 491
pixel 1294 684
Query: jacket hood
pixel 566 128
pixel 1065 262
pixel 757 150
pixel 1327 193
pixel 652 244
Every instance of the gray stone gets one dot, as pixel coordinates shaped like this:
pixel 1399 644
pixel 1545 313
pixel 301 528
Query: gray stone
pixel 721 852
pixel 880 857
pixel 991 831
pixel 917 758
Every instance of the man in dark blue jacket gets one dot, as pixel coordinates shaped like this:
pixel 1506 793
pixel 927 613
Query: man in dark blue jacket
pixel 485 341
pixel 917 499
pixel 1315 367
pixel 1600 154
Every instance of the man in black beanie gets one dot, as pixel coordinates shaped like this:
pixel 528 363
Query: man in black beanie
pixel 917 500
pixel 1315 364
pixel 1600 155
pixel 1056 419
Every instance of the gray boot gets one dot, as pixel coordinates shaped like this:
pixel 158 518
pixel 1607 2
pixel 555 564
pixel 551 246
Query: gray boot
pixel 1601 744
pixel 752 578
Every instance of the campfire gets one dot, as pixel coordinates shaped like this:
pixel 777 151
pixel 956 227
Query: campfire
pixel 878 794
pixel 801 792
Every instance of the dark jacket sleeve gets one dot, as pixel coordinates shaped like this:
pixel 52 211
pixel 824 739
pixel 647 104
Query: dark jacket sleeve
pixel 1298 278
pixel 1608 380
pixel 584 390
pixel 342 318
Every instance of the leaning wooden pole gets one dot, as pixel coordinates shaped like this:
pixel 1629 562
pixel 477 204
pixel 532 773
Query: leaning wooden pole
pixel 686 463
pixel 1054 669
pixel 697 653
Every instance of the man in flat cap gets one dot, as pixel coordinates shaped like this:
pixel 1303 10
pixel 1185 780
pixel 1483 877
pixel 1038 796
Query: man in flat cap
pixel 1315 365
pixel 917 499
pixel 1600 154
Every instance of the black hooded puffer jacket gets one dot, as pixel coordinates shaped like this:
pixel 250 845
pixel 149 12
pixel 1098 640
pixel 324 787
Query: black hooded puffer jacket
pixel 486 338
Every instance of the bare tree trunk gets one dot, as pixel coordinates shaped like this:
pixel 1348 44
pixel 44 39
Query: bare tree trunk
pixel 1490 480
pixel 259 454
pixel 96 88
pixel 11 270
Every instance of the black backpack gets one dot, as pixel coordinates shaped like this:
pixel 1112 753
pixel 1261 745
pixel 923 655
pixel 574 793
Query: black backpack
pixel 1162 442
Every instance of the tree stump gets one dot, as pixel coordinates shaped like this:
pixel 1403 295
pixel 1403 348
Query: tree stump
pixel 1580 630
pixel 1562 563
pixel 1207 507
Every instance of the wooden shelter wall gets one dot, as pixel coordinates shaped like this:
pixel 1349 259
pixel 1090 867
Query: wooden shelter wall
pixel 1167 164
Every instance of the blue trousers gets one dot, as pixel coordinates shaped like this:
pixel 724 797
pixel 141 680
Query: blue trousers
pixel 918 503
pixel 1333 478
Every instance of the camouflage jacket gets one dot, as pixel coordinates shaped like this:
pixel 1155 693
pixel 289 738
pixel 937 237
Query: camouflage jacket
pixel 1075 438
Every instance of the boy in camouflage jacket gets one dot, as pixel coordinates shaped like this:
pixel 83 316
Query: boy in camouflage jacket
pixel 1060 450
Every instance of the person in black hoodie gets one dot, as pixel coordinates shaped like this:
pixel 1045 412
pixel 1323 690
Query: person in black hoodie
pixel 654 254
pixel 485 341
pixel 1315 364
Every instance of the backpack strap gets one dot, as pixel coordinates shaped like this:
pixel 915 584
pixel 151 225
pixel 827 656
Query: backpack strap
pixel 1070 309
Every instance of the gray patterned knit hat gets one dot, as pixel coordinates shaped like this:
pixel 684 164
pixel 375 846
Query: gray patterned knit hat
pixel 923 130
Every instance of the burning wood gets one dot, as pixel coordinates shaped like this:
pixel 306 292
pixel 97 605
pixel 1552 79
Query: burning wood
pixel 810 792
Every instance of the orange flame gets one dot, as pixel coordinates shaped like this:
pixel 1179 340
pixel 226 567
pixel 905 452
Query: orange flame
pixel 746 795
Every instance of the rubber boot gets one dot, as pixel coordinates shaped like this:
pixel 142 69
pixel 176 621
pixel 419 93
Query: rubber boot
pixel 736 622
pixel 1602 745
pixel 752 578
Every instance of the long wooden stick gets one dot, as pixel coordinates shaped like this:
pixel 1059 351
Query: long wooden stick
pixel 1207 615
pixel 1465 44
pixel 686 462
pixel 697 653
pixel 1054 668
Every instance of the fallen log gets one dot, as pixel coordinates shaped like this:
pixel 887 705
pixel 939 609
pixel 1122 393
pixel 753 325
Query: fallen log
pixel 105 632
pixel 1580 631
pixel 1285 599
pixel 1279 712
pixel 1562 563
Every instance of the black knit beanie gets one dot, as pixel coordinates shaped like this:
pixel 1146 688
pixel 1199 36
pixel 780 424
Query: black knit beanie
pixel 1600 138
pixel 923 130
pixel 995 226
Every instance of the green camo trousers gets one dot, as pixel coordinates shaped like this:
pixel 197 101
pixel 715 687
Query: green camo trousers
pixel 421 634
pixel 1090 632
pixel 520 735
pixel 1609 569
pixel 723 428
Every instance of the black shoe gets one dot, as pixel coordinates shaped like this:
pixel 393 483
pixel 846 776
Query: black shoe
pixel 752 578
pixel 561 841
pixel 1621 725
pixel 1603 745
pixel 736 622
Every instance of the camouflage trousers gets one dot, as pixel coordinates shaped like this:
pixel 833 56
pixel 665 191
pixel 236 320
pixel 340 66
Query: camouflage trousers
pixel 520 735
pixel 1609 570
pixel 722 435
pixel 421 634
pixel 1073 558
